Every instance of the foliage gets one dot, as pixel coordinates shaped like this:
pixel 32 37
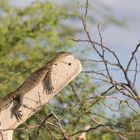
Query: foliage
pixel 29 37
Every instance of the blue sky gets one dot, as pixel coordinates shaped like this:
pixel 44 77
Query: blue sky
pixel 120 39
pixel 124 40
pixel 126 37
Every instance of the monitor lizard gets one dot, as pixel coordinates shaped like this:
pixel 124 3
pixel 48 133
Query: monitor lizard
pixel 34 79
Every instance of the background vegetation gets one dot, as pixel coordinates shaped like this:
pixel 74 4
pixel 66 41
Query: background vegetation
pixel 29 37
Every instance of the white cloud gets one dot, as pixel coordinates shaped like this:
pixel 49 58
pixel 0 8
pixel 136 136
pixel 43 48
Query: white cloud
pixel 20 3
pixel 124 7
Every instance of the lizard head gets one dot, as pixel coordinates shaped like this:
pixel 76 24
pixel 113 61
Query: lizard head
pixel 60 57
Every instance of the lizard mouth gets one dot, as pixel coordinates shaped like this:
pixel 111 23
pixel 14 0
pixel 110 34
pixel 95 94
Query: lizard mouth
pixel 64 62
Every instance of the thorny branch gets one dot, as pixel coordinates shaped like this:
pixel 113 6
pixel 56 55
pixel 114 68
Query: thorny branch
pixel 127 88
pixel 64 133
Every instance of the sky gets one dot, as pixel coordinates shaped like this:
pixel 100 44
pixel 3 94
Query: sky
pixel 129 36
pixel 126 37
pixel 122 40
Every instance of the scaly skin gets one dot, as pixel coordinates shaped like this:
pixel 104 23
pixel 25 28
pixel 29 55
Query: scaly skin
pixel 33 80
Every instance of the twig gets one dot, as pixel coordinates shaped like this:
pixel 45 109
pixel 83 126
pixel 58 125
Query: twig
pixel 132 57
pixel 66 136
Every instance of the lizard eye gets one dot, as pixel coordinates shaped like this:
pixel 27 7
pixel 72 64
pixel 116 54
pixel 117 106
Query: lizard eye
pixel 69 64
